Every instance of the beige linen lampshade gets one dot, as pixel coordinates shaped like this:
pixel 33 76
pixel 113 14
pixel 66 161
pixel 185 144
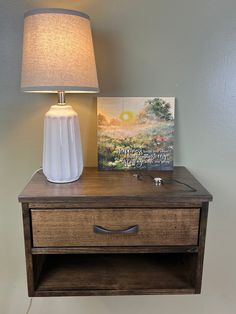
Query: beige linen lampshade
pixel 58 52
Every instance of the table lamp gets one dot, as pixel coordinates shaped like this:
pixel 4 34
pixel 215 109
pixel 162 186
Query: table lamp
pixel 58 57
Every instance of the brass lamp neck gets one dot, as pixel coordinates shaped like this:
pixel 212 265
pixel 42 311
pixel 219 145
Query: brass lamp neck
pixel 61 98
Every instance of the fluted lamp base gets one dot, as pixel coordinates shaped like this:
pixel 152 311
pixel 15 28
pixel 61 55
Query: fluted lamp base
pixel 62 150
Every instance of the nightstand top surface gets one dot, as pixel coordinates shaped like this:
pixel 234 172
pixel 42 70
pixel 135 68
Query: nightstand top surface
pixel 117 185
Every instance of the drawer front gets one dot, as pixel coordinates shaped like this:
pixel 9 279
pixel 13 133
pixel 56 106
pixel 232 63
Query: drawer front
pixel 114 227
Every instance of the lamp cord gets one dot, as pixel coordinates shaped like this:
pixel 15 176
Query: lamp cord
pixel 33 174
pixel 29 306
pixel 31 299
pixel 183 183
pixel 139 177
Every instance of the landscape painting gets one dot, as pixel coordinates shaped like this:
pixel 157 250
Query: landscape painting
pixel 135 133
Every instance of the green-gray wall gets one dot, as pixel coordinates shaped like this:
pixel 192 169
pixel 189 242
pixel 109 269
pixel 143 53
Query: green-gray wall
pixel 181 48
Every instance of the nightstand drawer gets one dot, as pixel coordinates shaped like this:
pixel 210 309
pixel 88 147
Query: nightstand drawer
pixel 114 227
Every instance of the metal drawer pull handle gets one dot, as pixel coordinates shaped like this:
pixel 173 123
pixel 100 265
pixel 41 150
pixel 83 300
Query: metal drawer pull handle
pixel 130 230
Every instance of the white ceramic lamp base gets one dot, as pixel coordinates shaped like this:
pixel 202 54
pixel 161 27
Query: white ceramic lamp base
pixel 62 150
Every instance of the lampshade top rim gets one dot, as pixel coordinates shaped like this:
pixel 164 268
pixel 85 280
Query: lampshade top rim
pixel 55 10
pixel 55 89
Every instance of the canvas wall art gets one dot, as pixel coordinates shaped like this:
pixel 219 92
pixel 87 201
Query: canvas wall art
pixel 135 133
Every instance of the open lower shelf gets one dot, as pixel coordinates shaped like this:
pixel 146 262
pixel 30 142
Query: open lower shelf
pixel 111 274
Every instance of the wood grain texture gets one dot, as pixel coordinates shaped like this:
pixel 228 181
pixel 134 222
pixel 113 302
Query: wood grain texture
pixel 164 257
pixel 116 203
pixel 82 272
pixel 62 228
pixel 109 187
pixel 110 292
pixel 30 271
pixel 202 239
pixel 115 249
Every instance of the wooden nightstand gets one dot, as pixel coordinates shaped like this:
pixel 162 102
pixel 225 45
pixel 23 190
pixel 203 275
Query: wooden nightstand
pixel 113 234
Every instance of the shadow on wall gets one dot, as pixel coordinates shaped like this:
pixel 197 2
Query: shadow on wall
pixel 177 141
pixel 27 125
pixel 109 55
pixel 108 52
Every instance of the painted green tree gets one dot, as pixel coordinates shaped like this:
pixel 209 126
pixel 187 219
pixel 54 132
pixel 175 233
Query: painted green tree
pixel 154 109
